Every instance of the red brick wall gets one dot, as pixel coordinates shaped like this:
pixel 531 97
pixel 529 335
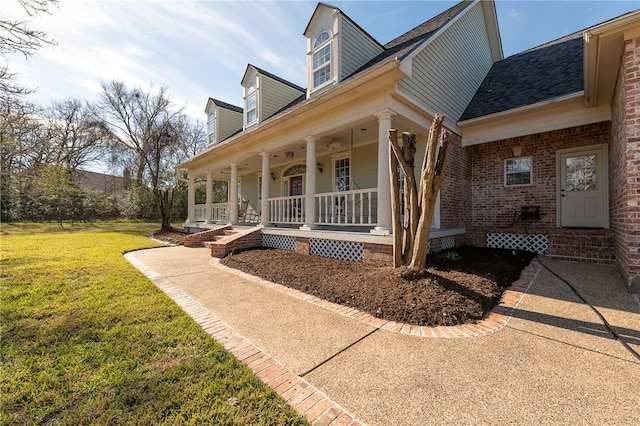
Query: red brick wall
pixel 495 205
pixel 195 240
pixel 624 164
pixel 455 208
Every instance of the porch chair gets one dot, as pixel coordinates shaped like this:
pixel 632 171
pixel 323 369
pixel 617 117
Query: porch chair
pixel 242 211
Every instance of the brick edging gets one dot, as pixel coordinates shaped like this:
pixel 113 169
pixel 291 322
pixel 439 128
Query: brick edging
pixel 305 398
pixel 497 319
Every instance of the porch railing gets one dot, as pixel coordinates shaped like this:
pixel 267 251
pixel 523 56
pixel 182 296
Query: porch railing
pixel 287 209
pixel 220 212
pixel 357 207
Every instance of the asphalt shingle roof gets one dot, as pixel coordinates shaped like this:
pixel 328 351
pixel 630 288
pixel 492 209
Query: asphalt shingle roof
pixel 546 72
pixel 226 105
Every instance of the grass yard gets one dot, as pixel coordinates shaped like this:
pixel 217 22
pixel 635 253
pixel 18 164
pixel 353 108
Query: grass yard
pixel 87 339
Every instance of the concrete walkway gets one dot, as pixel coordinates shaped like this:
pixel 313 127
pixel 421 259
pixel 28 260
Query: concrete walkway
pixel 551 362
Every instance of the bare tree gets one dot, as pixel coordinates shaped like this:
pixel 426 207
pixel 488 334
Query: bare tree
pixel 16 36
pixel 76 137
pixel 149 136
pixel 411 238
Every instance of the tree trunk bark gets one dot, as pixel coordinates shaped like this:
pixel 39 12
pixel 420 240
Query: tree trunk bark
pixel 396 227
pixel 430 183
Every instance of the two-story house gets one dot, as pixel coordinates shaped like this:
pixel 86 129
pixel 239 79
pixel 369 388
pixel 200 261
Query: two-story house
pixel 542 152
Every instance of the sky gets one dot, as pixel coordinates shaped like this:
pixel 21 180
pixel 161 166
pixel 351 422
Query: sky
pixel 200 49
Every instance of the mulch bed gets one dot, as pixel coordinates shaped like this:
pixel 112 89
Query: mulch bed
pixel 459 286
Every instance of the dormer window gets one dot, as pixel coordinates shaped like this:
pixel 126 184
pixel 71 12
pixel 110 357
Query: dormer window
pixel 211 126
pixel 251 105
pixel 322 59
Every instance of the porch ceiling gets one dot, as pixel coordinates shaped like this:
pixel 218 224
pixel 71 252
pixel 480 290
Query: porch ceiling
pixel 341 139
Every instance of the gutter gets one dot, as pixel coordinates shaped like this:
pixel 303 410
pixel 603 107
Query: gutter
pixel 525 108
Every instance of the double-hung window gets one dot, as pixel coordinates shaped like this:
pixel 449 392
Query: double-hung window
pixel 322 59
pixel 518 171
pixel 211 126
pixel 342 174
pixel 252 114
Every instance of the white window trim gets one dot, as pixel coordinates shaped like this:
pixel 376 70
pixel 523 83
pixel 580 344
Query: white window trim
pixel 252 91
pixel 286 179
pixel 334 159
pixel 504 172
pixel 215 127
pixel 330 64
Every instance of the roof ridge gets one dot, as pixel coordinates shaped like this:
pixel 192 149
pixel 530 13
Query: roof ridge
pixel 226 105
pixel 280 79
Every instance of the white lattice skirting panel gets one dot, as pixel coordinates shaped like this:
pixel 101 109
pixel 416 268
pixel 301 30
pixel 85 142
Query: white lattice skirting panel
pixel 279 242
pixel 342 250
pixel 536 243
pixel 448 242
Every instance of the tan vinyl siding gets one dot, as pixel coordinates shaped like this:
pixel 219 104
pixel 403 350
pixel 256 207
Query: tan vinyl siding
pixel 274 96
pixel 227 123
pixel 448 72
pixel 364 167
pixel 324 180
pixel 357 49
pixel 249 189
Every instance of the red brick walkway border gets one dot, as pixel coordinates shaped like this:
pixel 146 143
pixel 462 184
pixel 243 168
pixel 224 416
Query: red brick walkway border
pixel 495 321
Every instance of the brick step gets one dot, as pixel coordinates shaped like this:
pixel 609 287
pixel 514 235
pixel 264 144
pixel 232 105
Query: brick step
pixel 199 238
pixel 234 240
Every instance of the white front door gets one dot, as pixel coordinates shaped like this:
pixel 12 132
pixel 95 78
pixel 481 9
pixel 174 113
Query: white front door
pixel 583 188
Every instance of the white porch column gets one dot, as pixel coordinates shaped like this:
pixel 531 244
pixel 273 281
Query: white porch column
pixel 233 194
pixel 209 218
pixel 191 201
pixel 310 186
pixel 266 188
pixel 384 186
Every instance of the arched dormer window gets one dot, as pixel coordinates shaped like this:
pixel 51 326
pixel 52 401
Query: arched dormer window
pixel 250 107
pixel 322 59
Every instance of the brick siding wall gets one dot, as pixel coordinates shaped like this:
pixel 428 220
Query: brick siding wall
pixel 455 209
pixel 241 240
pixel 495 205
pixel 624 163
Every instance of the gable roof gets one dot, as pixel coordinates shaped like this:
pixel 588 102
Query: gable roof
pixel 272 76
pixel 355 24
pixel 549 71
pixel 403 45
pixel 225 105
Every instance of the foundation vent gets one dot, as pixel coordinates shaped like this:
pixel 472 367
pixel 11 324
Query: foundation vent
pixel 283 242
pixel 342 250
pixel 536 243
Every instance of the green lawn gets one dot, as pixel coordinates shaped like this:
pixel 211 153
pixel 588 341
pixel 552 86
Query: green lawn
pixel 87 339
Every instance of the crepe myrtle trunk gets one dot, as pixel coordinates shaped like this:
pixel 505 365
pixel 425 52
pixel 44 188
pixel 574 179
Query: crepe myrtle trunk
pixel 411 237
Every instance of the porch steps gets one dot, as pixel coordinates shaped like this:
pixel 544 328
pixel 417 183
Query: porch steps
pixel 231 239
pixel 198 239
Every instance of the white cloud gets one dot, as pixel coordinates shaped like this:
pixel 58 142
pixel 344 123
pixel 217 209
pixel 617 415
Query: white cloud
pixel 515 15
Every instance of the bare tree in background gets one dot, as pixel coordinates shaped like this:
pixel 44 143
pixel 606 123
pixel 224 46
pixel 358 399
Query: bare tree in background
pixel 149 138
pixel 16 36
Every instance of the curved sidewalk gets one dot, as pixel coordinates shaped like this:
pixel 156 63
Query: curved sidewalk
pixel 551 361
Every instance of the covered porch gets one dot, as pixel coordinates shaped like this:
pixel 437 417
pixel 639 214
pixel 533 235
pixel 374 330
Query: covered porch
pixel 337 180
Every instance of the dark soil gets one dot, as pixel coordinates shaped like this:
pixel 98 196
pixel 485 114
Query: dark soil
pixel 460 285
pixel 172 236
